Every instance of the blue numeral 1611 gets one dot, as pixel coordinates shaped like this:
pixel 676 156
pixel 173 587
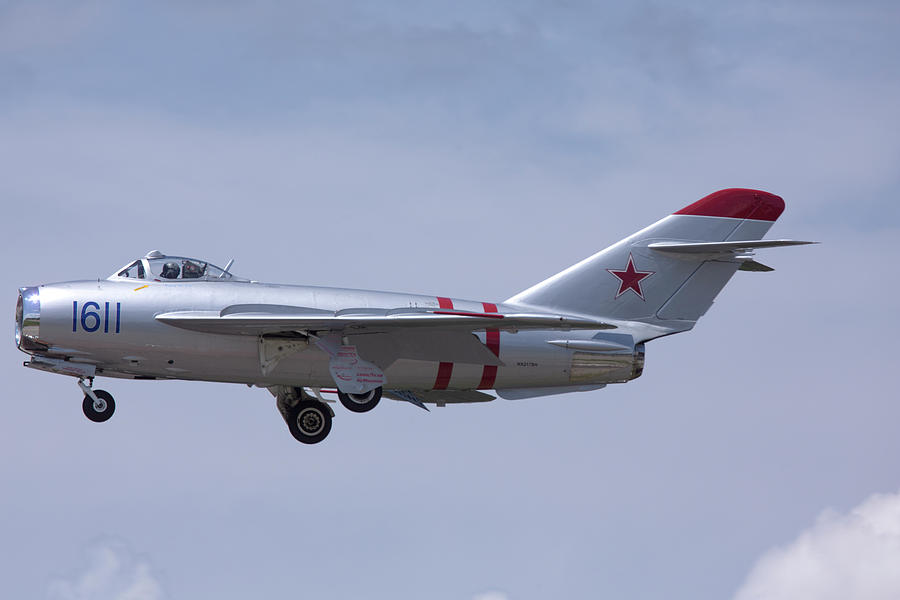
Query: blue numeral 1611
pixel 91 318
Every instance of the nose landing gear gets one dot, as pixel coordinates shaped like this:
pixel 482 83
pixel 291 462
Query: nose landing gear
pixel 98 405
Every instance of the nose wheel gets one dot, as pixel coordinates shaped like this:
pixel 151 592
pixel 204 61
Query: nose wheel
pixel 98 405
pixel 101 409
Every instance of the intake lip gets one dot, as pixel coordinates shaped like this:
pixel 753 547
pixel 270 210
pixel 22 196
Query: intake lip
pixel 28 320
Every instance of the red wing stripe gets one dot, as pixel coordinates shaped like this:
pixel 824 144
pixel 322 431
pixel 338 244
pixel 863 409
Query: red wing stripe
pixel 444 302
pixel 492 341
pixel 467 314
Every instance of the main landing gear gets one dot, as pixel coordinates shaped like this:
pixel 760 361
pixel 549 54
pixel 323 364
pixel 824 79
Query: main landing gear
pixel 309 421
pixel 360 403
pixel 309 417
pixel 98 405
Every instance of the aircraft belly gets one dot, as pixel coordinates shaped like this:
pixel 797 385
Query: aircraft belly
pixel 528 361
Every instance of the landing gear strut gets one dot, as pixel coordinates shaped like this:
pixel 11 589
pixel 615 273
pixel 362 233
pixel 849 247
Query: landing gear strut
pixel 98 405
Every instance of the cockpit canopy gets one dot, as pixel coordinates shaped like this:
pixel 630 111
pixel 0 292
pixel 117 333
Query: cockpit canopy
pixel 156 266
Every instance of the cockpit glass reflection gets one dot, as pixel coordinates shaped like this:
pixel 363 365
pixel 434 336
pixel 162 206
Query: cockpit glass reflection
pixel 134 270
pixel 176 268
pixel 156 266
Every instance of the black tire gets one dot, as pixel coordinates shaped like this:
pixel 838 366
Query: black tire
pixel 360 403
pixel 309 421
pixel 102 413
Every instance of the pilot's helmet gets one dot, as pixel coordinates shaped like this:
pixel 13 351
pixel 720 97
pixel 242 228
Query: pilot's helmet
pixel 170 270
pixel 191 270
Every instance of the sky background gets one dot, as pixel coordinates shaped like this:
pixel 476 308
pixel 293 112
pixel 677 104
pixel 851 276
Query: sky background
pixel 467 149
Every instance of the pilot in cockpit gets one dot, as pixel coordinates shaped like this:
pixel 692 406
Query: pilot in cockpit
pixel 192 270
pixel 170 270
pixel 175 268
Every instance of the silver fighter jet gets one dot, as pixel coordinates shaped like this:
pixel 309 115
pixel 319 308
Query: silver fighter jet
pixel 171 317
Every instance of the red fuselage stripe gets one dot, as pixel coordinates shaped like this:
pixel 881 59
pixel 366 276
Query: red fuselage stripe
pixel 492 341
pixel 488 377
pixel 445 372
pixel 445 369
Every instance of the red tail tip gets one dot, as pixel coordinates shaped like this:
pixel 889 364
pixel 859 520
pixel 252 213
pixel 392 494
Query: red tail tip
pixel 737 203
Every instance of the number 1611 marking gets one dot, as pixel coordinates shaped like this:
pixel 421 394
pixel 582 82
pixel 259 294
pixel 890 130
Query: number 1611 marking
pixel 91 318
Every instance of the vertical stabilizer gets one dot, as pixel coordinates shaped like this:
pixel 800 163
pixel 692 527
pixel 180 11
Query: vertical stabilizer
pixel 632 281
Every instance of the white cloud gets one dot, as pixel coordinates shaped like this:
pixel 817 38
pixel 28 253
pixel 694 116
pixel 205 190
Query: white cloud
pixel 492 595
pixel 854 555
pixel 114 573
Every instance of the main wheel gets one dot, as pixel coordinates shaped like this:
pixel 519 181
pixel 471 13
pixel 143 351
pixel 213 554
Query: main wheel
pixel 309 421
pixel 99 411
pixel 360 403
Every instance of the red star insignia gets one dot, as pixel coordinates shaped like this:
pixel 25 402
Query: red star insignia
pixel 630 278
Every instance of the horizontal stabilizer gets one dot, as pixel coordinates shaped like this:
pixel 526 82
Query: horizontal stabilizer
pixel 722 247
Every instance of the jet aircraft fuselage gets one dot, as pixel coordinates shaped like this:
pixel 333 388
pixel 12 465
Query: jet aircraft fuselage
pixel 169 317
pixel 113 324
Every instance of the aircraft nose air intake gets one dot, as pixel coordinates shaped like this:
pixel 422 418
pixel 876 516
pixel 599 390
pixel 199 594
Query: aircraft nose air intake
pixel 28 319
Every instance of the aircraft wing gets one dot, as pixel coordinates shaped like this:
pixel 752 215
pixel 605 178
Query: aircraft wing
pixel 260 319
